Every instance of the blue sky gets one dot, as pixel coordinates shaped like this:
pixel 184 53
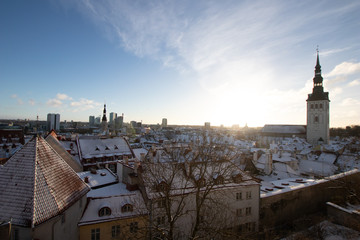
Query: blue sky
pixel 226 62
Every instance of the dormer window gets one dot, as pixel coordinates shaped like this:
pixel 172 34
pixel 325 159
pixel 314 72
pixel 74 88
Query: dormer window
pixel 116 147
pixel 127 208
pixel 106 148
pixel 162 186
pixel 237 178
pixel 97 149
pixel 218 179
pixel 105 211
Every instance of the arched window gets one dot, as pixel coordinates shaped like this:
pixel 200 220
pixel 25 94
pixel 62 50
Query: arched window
pixel 320 106
pixel 127 208
pixel 105 211
pixel 311 106
pixel 316 119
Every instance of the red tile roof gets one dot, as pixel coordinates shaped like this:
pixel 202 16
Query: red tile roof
pixel 36 184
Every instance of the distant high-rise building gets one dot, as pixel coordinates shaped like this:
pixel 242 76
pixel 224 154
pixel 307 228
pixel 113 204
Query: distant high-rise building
pixel 91 120
pixel 119 122
pixel 207 125
pixel 112 117
pixel 164 122
pixel 317 129
pixel 97 120
pixel 53 121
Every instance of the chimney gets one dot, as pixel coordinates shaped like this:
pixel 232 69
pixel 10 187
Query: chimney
pixel 255 157
pixel 142 157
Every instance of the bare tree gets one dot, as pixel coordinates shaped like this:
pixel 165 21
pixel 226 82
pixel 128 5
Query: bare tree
pixel 192 186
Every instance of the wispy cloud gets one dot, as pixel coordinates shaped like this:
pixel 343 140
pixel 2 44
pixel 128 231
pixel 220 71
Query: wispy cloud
pixel 62 96
pixel 54 102
pixel 329 52
pixel 32 102
pixel 83 104
pixel 345 68
pixel 18 99
pixel 354 83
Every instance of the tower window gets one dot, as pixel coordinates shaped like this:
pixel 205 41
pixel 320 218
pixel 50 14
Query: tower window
pixel 316 119
pixel 312 106
pixel 316 106
pixel 320 106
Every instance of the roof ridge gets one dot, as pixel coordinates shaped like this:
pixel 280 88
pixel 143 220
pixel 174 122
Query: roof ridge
pixel 34 181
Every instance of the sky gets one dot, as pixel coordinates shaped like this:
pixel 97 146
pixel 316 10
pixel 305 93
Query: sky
pixel 224 62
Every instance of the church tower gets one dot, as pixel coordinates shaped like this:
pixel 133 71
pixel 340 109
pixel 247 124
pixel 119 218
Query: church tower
pixel 104 125
pixel 317 129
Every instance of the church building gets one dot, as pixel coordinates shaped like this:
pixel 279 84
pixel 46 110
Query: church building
pixel 317 129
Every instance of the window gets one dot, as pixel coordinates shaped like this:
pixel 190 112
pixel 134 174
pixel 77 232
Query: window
pixel 219 180
pixel 160 220
pixel 127 208
pixel 105 211
pixel 248 195
pixel 311 106
pixel 239 212
pixel 320 106
pixel 16 234
pixel 95 234
pixel 134 227
pixel 161 203
pixel 239 196
pixel 250 226
pixel 316 119
pixel 248 211
pixel 115 231
pixel 162 186
pixel 316 106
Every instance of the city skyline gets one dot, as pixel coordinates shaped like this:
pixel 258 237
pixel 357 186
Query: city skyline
pixel 234 62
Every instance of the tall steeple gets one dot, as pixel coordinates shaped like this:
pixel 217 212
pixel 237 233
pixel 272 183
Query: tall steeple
pixel 318 89
pixel 104 124
pixel 104 119
pixel 318 109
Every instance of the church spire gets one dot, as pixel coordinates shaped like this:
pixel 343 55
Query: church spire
pixel 104 119
pixel 318 89
pixel 317 67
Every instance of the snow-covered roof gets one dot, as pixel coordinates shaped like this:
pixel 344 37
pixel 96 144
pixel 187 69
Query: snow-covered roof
pixel 284 129
pixel 37 184
pixel 98 179
pixel 285 185
pixel 327 158
pixel 138 151
pixel 316 168
pixel 108 191
pixel 115 203
pixel 58 147
pixel 95 146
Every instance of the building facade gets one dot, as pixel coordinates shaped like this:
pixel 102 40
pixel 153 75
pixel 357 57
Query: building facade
pixel 318 111
pixel 53 121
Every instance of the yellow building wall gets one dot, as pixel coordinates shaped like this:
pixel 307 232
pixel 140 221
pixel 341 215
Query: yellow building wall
pixel 106 229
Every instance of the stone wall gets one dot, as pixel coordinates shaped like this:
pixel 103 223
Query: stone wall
pixel 284 208
pixel 342 216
